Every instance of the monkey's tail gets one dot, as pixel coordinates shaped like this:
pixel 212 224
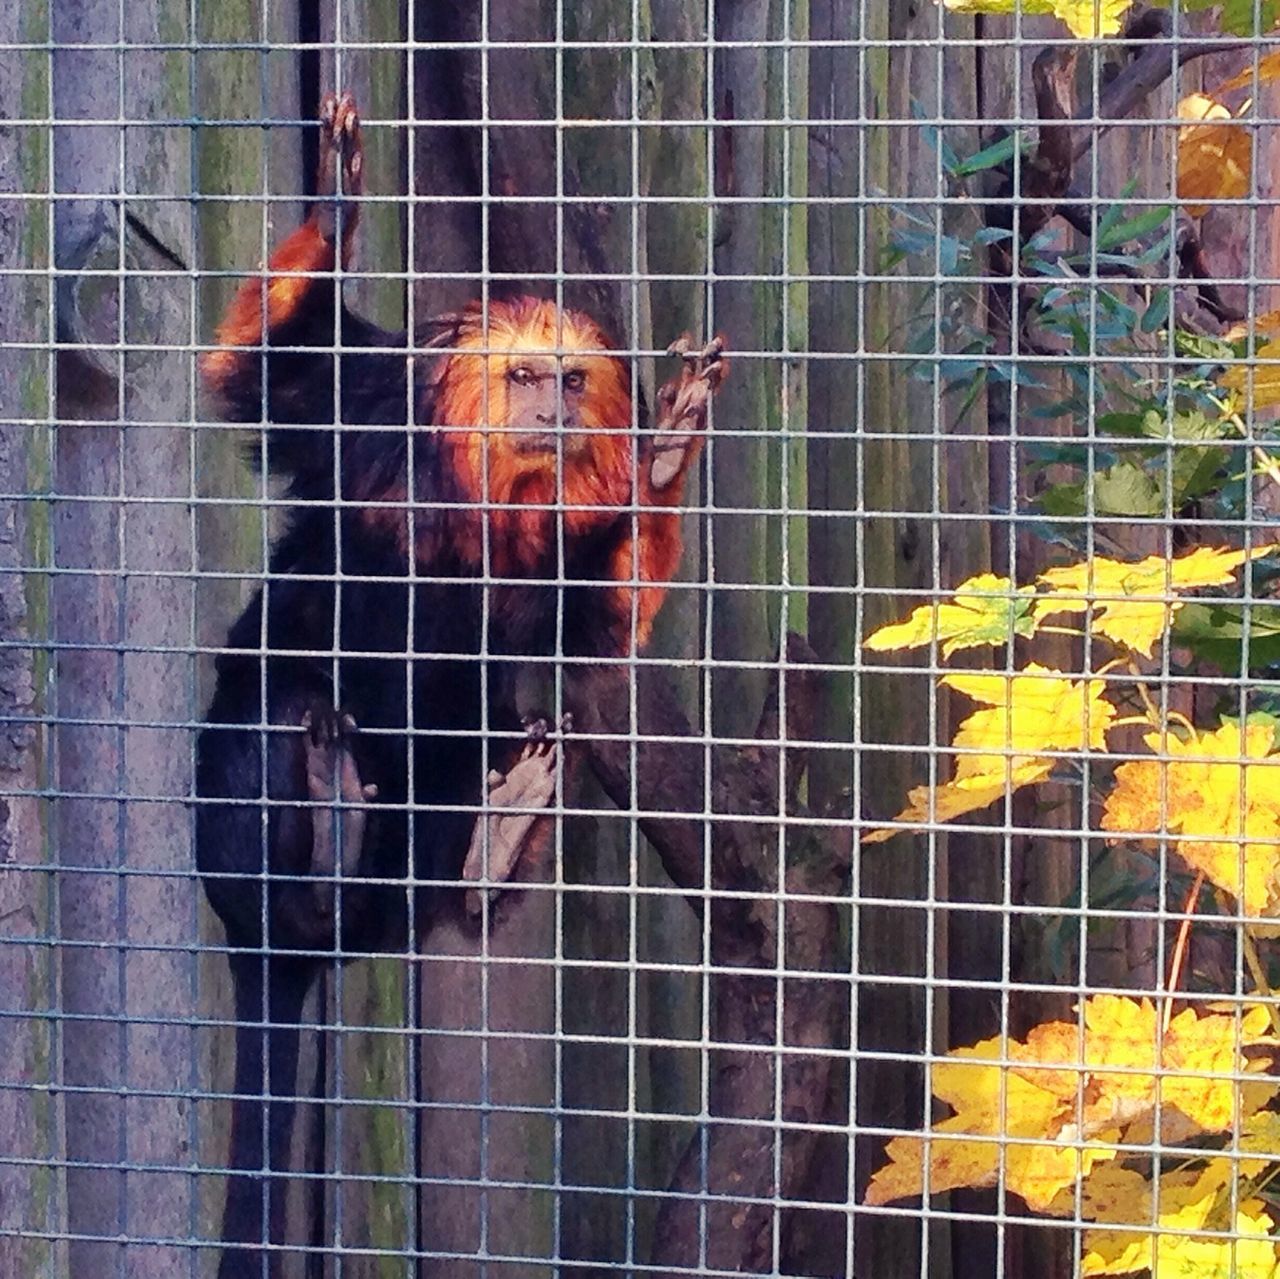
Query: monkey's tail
pixel 269 997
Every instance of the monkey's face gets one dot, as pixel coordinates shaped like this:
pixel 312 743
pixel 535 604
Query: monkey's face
pixel 535 413
pixel 545 398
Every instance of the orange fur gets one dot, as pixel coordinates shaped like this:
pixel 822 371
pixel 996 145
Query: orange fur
pixel 291 278
pixel 595 478
pixel 597 481
pixel 472 411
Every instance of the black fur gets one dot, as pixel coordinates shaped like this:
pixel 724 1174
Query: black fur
pixel 342 622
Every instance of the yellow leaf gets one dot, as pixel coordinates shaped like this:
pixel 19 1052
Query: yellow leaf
pixel 1133 603
pixel 1268 69
pixel 1184 1201
pixel 964 794
pixel 1090 19
pixel 1087 19
pixel 984 610
pixel 1034 711
pixel 1073 1096
pixel 1037 710
pixel 1036 7
pixel 1266 325
pixel 1215 154
pixel 1219 794
pixel 992 1104
pixel 1256 385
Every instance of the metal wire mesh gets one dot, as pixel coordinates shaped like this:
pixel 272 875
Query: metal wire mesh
pixel 996 296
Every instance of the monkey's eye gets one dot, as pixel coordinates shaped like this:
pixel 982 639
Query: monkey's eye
pixel 522 376
pixel 575 381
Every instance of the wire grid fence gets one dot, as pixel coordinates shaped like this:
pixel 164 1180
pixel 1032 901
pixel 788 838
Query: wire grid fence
pixel 994 304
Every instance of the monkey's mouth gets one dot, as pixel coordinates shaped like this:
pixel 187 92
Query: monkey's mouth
pixel 546 443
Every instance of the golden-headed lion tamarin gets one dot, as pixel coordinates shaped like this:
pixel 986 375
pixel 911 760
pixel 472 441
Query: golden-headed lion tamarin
pixel 482 493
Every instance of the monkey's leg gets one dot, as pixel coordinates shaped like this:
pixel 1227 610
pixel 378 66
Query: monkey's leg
pixel 269 997
pixel 336 832
pixel 499 838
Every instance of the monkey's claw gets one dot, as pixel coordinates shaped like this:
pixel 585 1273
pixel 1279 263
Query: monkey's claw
pixel 333 778
pixel 705 365
pixel 341 171
pixel 500 836
pixel 682 406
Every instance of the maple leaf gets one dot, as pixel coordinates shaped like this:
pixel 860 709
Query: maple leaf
pixel 1219 793
pixel 1087 19
pixel 1255 385
pixel 1073 1096
pixel 1215 154
pixel 1132 603
pixel 1184 1201
pixel 992 1104
pixel 984 610
pixel 1265 325
pixel 1268 69
pixel 1037 710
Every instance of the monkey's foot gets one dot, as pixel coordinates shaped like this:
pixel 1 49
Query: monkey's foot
pixel 500 837
pixel 682 406
pixel 341 171
pixel 333 779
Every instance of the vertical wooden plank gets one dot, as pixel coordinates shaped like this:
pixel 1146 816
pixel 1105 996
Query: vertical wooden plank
pixel 126 1125
pixel 32 1198
pixel 896 480
pixel 507 1059
pixel 370 1201
pixel 748 235
pixel 675 162
pixel 234 236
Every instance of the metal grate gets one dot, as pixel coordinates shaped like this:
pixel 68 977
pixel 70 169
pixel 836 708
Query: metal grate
pixel 997 299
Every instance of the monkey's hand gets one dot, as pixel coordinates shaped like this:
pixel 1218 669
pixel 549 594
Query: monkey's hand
pixel 341 171
pixel 332 780
pixel 500 837
pixel 682 406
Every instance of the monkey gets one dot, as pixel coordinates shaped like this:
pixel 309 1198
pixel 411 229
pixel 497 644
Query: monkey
pixel 477 495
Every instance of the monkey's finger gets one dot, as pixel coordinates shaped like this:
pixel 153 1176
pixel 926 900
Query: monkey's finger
pixel 370 791
pixel 348 722
pixel 668 461
pixel 681 345
pixel 328 110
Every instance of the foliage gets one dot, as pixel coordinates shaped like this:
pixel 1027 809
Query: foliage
pixel 1066 1117
pixel 1178 419
pixel 1155 1122
pixel 1091 19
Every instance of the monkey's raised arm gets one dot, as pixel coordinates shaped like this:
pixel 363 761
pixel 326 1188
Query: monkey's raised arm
pixel 288 325
pixel 650 552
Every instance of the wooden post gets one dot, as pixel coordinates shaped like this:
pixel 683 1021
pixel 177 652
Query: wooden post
pixel 32 1187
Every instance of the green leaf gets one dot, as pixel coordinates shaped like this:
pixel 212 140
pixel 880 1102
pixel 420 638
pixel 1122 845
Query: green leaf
pixel 1115 212
pixel 1063 499
pixel 1216 632
pixel 1157 313
pixel 1134 228
pixel 1238 17
pixel 1199 346
pixel 991 157
pixel 1126 425
pixel 1126 489
pixel 1196 472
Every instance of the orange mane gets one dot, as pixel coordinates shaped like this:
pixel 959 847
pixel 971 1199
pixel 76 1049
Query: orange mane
pixel 471 409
